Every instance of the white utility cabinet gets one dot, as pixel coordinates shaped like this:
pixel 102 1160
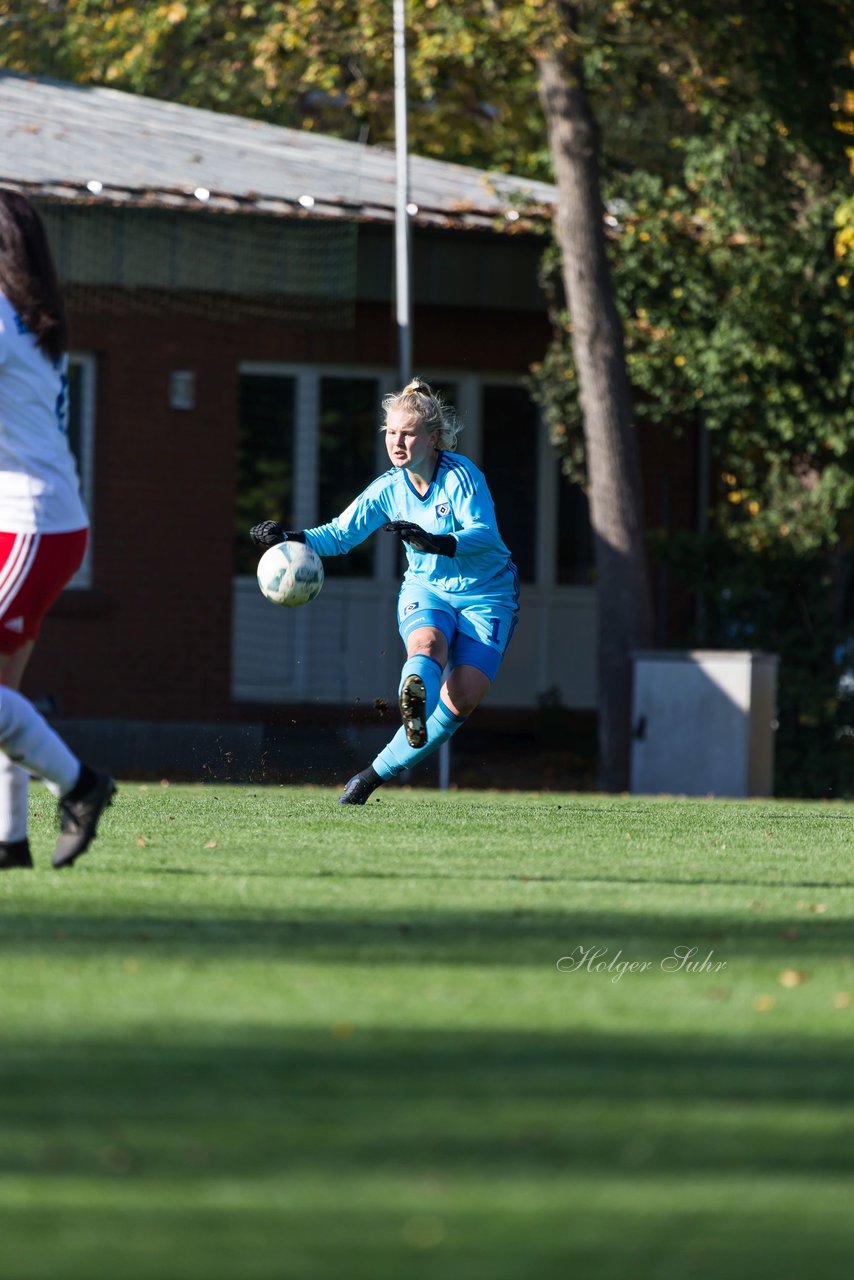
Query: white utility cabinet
pixel 703 723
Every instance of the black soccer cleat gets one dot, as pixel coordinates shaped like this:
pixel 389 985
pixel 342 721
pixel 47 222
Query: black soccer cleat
pixel 360 787
pixel 413 711
pixel 78 820
pixel 15 853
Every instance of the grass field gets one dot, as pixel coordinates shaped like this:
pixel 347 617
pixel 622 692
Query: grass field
pixel 255 1034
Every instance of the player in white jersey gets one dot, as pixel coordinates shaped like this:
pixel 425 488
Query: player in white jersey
pixel 43 532
pixel 459 599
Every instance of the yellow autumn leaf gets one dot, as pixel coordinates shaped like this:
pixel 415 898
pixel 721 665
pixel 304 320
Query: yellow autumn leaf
pixel 792 978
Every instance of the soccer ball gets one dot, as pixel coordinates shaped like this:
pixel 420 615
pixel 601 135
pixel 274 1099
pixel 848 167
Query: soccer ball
pixel 290 574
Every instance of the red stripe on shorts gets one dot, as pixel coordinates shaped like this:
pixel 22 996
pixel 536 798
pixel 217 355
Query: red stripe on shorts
pixel 34 570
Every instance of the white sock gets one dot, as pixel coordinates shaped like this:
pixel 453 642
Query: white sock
pixel 14 793
pixel 28 740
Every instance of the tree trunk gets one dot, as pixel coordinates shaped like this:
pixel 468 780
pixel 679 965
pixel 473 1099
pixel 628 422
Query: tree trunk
pixel 616 505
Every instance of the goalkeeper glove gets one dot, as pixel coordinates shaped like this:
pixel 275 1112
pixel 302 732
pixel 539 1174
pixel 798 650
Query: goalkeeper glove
pixel 435 544
pixel 269 533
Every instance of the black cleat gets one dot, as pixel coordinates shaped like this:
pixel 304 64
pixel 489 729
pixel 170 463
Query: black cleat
pixel 78 820
pixel 15 853
pixel 413 708
pixel 360 787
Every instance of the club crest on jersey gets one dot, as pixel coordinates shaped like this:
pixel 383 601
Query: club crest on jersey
pixel 443 509
pixel 410 608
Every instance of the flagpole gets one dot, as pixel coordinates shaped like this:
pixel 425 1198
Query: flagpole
pixel 402 255
pixel 403 251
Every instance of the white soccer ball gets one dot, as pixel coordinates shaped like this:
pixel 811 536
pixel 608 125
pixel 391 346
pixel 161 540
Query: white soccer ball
pixel 290 574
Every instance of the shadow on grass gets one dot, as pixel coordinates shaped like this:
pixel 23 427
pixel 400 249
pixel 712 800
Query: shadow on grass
pixel 519 936
pixel 757 882
pixel 234 1103
pixel 371 1154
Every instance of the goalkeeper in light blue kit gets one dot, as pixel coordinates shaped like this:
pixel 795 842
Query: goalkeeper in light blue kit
pixel 459 599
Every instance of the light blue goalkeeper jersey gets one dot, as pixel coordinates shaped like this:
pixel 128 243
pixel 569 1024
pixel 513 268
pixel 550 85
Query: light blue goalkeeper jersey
pixel 457 502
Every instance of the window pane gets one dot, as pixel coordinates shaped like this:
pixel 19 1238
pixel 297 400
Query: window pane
pixel 265 459
pixel 510 466
pixel 574 537
pixel 349 423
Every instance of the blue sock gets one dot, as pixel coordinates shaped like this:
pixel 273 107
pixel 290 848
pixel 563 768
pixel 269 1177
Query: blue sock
pixel 398 755
pixel 431 674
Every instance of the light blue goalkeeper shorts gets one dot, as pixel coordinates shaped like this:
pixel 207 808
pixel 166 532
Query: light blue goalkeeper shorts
pixel 478 631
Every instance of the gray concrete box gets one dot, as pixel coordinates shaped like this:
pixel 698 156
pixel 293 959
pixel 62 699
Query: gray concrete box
pixel 703 723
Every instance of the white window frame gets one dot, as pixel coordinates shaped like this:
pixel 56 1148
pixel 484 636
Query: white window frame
pixel 86 363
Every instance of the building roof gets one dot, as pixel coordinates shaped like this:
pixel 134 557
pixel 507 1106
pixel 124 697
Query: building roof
pixel 75 143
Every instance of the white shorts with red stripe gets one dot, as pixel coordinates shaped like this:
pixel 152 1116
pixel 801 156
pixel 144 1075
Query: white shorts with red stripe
pixel 34 570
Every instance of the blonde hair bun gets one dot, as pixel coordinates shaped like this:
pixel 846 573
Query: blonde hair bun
pixel 417 387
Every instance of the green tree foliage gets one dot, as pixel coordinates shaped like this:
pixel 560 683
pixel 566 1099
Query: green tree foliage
pixel 732 258
pixel 737 316
pixel 655 68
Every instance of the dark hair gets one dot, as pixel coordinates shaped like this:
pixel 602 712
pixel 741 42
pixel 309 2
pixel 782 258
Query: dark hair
pixel 27 273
